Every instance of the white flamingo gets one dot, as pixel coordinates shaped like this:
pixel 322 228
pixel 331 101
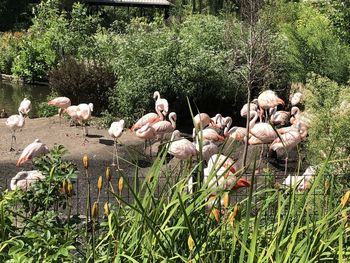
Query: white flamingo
pixel 115 131
pixel 15 122
pixel 25 106
pixel 161 103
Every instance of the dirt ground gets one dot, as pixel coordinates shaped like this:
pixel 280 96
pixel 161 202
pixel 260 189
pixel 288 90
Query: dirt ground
pixel 99 147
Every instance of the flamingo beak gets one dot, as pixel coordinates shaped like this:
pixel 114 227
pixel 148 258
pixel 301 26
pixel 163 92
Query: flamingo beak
pixel 241 183
pixel 280 101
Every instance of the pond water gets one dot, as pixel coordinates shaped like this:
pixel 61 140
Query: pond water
pixel 11 95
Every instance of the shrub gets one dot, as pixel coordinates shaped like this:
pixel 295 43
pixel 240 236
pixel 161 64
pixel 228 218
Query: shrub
pixel 9 48
pixel 83 82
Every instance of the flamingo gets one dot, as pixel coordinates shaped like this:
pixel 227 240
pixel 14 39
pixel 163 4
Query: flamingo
pixel 181 148
pixel 150 118
pixel 295 98
pixel 279 117
pixel 201 120
pixel 161 103
pixel 25 106
pixel 268 99
pixel 83 115
pixel 115 131
pixel 238 133
pixel 290 137
pixel 302 181
pixel 207 134
pixel 262 133
pixel 220 175
pixel 147 132
pixel 163 127
pixel 25 179
pixel 253 107
pixel 34 149
pixel 61 102
pixel 72 112
pixel 15 122
pixel 208 149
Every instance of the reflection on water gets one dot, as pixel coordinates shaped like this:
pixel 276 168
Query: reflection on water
pixel 11 95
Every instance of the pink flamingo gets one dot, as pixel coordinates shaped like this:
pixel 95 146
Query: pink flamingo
pixel 15 122
pixel 295 98
pixel 163 127
pixel 72 112
pixel 202 120
pixel 83 115
pixel 25 106
pixel 253 107
pixel 207 134
pixel 25 179
pixel 290 137
pixel 62 103
pixel 149 118
pixel 220 175
pixel 147 132
pixel 279 117
pixel 181 148
pixel 34 149
pixel 238 133
pixel 115 131
pixel 268 99
pixel 208 149
pixel 161 103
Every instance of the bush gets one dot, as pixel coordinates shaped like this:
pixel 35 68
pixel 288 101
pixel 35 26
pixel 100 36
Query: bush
pixel 329 104
pixel 179 61
pixel 9 48
pixel 83 82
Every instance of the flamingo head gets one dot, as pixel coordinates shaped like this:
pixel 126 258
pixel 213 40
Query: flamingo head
pixel 280 101
pixel 241 183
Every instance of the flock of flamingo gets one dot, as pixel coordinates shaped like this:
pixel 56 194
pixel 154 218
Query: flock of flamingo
pixel 208 133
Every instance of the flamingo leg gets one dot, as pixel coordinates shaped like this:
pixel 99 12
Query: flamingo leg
pixel 150 148
pixel 285 165
pixel 116 153
pixel 13 138
pixel 84 134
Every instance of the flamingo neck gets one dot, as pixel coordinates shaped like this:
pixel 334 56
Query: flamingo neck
pixel 161 116
pixel 252 121
pixel 172 120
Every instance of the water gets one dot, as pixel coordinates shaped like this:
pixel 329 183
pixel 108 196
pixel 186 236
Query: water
pixel 11 95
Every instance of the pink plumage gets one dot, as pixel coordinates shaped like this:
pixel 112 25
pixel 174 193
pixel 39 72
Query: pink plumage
pixel 34 149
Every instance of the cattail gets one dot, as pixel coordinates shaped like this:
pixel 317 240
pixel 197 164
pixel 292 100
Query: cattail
pixel 85 161
pixel 121 184
pixel 216 213
pixel 95 210
pixel 106 209
pixel 345 199
pixel 190 243
pixel 233 215
pixel 108 174
pixel 99 184
pixel 326 187
pixel 226 200
pixel 70 188
pixel 65 185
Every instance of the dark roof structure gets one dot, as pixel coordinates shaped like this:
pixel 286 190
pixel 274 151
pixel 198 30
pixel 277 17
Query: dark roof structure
pixel 131 3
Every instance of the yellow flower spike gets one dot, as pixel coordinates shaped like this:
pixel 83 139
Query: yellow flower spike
pixel 233 215
pixel 121 184
pixel 86 162
pixel 108 174
pixel 190 243
pixel 216 213
pixel 326 187
pixel 64 185
pixel 226 200
pixel 70 189
pixel 99 184
pixel 345 199
pixel 95 210
pixel 106 209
